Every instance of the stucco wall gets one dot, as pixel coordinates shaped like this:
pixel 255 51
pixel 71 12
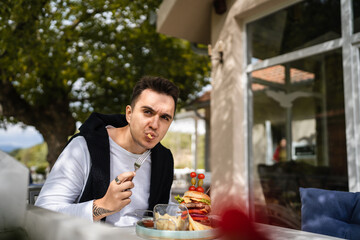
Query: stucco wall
pixel 228 104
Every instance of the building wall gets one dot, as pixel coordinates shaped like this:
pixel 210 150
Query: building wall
pixel 229 104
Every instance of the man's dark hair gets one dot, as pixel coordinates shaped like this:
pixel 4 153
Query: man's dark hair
pixel 157 84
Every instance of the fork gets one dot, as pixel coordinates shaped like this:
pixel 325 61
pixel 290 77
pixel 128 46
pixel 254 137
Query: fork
pixel 141 160
pixel 138 163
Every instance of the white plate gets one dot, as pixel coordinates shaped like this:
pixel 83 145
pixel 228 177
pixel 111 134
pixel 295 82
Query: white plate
pixel 151 233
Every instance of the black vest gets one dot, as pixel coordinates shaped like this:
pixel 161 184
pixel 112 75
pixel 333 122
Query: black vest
pixel 97 140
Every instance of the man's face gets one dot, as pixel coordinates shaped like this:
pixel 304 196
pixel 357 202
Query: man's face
pixel 150 119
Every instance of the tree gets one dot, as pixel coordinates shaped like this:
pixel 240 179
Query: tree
pixel 60 60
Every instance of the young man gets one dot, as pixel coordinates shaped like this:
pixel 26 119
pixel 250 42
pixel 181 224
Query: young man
pixel 94 176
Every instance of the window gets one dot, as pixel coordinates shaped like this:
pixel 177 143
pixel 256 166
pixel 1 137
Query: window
pixel 302 25
pixel 356 15
pixel 298 130
pixel 298 133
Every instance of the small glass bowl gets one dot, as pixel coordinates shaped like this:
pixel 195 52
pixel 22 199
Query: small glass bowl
pixel 145 216
pixel 172 217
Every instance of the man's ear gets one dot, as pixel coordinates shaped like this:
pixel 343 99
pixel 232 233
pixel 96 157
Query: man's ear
pixel 128 113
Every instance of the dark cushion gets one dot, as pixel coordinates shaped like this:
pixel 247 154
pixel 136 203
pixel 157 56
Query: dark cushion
pixel 333 213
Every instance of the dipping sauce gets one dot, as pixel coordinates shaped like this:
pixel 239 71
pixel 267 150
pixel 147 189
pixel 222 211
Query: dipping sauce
pixel 148 223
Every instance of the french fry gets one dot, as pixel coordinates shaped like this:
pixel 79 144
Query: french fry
pixel 190 228
pixel 167 222
pixel 197 226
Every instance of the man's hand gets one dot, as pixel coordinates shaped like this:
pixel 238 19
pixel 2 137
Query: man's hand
pixel 116 197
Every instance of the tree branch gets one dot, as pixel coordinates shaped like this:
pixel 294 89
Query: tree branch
pixel 86 16
pixel 13 105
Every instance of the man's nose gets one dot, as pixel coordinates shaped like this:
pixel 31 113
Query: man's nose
pixel 154 124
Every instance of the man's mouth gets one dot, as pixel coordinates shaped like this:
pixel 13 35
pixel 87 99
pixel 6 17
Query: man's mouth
pixel 150 136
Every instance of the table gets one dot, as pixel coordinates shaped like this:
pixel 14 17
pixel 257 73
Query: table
pixel 274 232
pixel 42 224
pixel 279 233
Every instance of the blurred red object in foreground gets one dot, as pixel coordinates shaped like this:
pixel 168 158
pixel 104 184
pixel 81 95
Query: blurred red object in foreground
pixel 234 224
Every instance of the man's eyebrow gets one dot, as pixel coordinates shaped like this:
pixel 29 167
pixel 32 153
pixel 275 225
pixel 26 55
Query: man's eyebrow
pixel 167 115
pixel 148 108
pixel 152 110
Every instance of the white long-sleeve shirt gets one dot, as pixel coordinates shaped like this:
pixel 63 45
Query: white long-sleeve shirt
pixel 67 179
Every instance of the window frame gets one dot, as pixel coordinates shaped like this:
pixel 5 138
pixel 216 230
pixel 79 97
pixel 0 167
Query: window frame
pixel 350 44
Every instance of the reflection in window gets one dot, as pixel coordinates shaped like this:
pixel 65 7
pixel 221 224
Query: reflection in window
pixel 298 134
pixel 301 25
pixel 356 14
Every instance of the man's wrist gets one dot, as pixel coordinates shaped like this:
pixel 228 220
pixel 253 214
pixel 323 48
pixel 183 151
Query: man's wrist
pixel 100 212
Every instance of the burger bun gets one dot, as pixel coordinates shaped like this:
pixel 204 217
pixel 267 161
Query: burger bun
pixel 197 195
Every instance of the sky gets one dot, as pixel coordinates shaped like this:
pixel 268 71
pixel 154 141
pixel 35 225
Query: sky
pixel 19 137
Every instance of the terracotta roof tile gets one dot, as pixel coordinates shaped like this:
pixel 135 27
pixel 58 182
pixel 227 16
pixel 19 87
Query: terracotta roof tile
pixel 274 74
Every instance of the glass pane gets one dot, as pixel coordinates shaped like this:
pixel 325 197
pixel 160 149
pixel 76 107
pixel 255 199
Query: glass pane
pixel 298 135
pixel 301 25
pixel 356 13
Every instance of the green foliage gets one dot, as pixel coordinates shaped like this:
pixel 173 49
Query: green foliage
pixel 33 157
pixel 180 146
pixel 201 152
pixel 177 140
pixel 41 169
pixel 89 54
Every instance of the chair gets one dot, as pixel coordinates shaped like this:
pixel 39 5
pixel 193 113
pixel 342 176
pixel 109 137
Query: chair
pixel 333 213
pixel 33 192
pixel 280 184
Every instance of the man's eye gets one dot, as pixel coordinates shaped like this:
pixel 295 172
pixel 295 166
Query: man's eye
pixel 147 112
pixel 166 118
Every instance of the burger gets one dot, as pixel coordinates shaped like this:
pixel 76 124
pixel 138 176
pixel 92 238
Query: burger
pixel 198 205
